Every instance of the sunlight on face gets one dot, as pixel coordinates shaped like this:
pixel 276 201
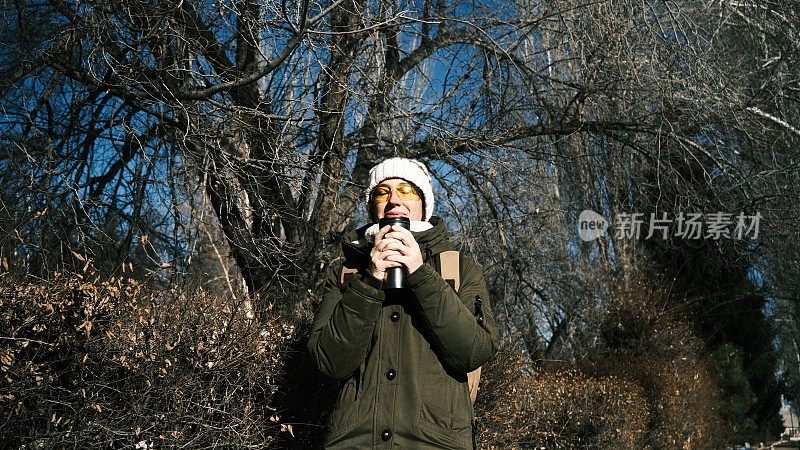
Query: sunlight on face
pixel 399 204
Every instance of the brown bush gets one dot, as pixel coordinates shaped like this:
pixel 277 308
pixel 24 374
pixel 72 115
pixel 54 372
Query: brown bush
pixel 560 410
pixel 646 384
pixel 650 345
pixel 88 363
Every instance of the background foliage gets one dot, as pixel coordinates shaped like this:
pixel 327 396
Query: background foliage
pixel 210 155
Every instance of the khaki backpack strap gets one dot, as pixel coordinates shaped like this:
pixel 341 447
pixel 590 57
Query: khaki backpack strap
pixel 449 262
pixel 473 378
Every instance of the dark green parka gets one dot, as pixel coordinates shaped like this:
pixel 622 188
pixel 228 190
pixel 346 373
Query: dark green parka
pixel 405 354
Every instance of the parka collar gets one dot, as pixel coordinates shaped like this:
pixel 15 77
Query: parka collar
pixel 431 242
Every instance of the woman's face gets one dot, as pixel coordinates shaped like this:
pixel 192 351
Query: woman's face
pixel 396 197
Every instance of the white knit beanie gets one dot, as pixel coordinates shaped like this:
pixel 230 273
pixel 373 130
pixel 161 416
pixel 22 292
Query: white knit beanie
pixel 410 170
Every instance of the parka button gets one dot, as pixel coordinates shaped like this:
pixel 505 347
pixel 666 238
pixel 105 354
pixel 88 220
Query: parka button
pixel 391 374
pixel 386 435
pixel 394 316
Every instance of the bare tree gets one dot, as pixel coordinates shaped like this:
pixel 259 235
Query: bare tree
pixel 270 114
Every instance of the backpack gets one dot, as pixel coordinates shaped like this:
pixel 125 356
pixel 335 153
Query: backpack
pixel 450 269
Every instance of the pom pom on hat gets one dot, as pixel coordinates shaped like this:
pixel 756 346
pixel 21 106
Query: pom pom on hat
pixel 410 170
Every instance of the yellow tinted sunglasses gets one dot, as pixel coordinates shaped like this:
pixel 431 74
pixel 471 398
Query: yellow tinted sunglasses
pixel 405 191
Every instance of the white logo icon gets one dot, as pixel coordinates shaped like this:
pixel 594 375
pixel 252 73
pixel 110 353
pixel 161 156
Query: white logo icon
pixel 591 225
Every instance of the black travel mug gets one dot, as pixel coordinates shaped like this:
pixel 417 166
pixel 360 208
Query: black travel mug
pixel 396 276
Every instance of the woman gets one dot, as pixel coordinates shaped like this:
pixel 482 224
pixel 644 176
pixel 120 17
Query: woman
pixel 405 353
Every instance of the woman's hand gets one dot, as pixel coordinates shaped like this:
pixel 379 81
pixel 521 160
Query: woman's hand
pixel 394 247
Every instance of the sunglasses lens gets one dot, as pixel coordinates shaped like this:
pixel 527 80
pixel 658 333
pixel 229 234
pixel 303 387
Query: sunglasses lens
pixel 381 194
pixel 407 192
pixel 404 192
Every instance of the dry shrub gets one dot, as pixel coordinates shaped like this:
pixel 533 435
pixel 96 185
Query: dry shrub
pixel 519 409
pixel 651 346
pixel 88 363
pixel 648 383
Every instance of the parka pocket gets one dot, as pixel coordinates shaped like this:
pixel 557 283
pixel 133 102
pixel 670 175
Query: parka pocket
pixel 346 413
pixel 440 427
